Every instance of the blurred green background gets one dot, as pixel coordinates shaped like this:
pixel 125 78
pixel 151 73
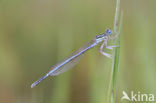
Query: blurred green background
pixel 36 34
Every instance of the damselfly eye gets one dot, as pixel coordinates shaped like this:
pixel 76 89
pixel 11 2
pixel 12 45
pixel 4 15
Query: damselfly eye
pixel 108 31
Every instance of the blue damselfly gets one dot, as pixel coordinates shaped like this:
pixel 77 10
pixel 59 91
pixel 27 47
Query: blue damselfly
pixel 75 57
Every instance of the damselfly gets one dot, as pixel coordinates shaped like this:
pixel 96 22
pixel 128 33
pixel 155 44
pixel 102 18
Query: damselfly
pixel 75 57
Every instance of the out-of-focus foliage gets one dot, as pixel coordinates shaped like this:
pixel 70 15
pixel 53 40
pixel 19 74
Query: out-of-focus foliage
pixel 36 34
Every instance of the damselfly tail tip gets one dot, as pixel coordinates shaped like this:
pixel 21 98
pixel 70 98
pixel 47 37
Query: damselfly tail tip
pixel 33 85
pixel 38 81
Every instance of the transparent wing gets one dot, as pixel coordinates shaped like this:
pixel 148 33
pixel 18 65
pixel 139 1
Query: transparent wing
pixel 67 63
pixel 72 62
pixel 67 66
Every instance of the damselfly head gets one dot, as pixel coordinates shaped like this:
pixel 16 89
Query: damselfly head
pixel 103 36
pixel 108 31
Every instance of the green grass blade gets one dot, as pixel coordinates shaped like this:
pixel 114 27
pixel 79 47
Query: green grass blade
pixel 116 60
pixel 116 54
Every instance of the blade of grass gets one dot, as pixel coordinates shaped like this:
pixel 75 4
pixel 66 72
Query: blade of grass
pixel 116 61
pixel 116 53
pixel 116 18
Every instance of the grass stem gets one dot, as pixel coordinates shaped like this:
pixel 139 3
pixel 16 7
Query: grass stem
pixel 116 53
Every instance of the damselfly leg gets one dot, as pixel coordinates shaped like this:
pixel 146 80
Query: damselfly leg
pixel 104 44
